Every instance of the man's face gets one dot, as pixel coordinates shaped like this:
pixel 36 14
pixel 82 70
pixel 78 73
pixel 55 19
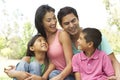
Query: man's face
pixel 70 24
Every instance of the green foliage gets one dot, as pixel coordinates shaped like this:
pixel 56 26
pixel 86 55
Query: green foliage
pixel 2 41
pixel 113 9
pixel 15 46
pixel 113 38
pixel 5 78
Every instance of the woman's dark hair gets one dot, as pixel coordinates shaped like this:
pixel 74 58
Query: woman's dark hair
pixel 94 35
pixel 31 53
pixel 65 11
pixel 40 13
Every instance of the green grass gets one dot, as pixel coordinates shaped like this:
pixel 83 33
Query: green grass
pixel 5 78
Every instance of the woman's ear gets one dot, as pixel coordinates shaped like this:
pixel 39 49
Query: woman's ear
pixel 31 48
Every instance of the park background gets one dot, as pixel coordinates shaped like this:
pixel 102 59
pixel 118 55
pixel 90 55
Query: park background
pixel 17 24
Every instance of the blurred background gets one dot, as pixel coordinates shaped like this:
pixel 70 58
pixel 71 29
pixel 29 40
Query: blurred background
pixel 17 24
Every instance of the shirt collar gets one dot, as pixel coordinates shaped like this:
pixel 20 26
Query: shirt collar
pixel 94 56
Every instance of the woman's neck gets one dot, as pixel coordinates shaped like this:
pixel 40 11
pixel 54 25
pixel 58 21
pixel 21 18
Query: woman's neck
pixel 49 34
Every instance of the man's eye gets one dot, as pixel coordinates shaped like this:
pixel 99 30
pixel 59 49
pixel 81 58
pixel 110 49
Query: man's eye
pixel 74 20
pixel 66 23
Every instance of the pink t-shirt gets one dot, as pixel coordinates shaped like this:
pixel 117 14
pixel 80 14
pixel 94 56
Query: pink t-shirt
pixel 97 67
pixel 56 53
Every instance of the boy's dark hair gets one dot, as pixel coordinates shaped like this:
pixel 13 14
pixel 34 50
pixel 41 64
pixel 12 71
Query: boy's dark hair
pixel 40 13
pixel 65 11
pixel 94 35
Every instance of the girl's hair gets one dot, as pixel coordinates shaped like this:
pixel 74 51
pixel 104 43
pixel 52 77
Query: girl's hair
pixel 94 35
pixel 40 13
pixel 31 53
pixel 30 43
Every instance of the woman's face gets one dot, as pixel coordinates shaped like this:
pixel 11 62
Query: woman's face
pixel 40 45
pixel 49 22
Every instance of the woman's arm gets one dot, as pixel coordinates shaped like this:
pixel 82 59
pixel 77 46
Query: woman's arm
pixel 47 72
pixel 67 47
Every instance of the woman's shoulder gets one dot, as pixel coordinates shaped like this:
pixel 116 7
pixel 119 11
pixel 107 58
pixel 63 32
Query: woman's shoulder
pixel 63 36
pixel 63 33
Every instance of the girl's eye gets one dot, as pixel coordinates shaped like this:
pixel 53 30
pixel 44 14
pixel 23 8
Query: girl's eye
pixel 48 20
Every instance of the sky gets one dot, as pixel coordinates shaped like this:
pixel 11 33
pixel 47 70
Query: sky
pixel 91 13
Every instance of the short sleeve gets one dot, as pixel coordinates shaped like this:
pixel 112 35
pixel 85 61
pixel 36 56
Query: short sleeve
pixel 75 63
pixel 105 46
pixel 107 66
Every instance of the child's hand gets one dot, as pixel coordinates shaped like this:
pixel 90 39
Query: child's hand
pixel 34 77
pixel 9 70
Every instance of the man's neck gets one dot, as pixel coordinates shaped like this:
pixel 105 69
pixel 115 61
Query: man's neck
pixel 75 37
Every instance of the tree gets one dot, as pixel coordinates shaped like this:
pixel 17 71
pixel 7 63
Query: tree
pixel 15 32
pixel 113 9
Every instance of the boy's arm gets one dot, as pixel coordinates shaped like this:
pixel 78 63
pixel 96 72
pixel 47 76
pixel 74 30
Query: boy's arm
pixel 77 76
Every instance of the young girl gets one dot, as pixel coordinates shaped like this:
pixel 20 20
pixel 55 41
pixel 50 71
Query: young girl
pixel 36 49
pixel 91 63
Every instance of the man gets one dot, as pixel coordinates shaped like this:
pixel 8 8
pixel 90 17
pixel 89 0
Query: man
pixel 68 19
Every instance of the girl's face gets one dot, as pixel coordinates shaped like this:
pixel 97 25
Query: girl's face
pixel 49 22
pixel 40 45
pixel 83 45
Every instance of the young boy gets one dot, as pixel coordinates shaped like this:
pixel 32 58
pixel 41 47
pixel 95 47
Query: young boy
pixel 91 63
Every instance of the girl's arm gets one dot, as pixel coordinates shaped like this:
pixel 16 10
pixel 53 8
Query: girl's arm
pixel 20 75
pixel 45 75
pixel 11 72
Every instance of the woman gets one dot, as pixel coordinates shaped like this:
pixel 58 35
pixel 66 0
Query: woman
pixel 60 50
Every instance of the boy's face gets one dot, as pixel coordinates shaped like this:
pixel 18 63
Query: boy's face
pixel 83 45
pixel 70 24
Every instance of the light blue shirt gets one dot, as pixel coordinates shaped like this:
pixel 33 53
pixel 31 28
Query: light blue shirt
pixel 104 46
